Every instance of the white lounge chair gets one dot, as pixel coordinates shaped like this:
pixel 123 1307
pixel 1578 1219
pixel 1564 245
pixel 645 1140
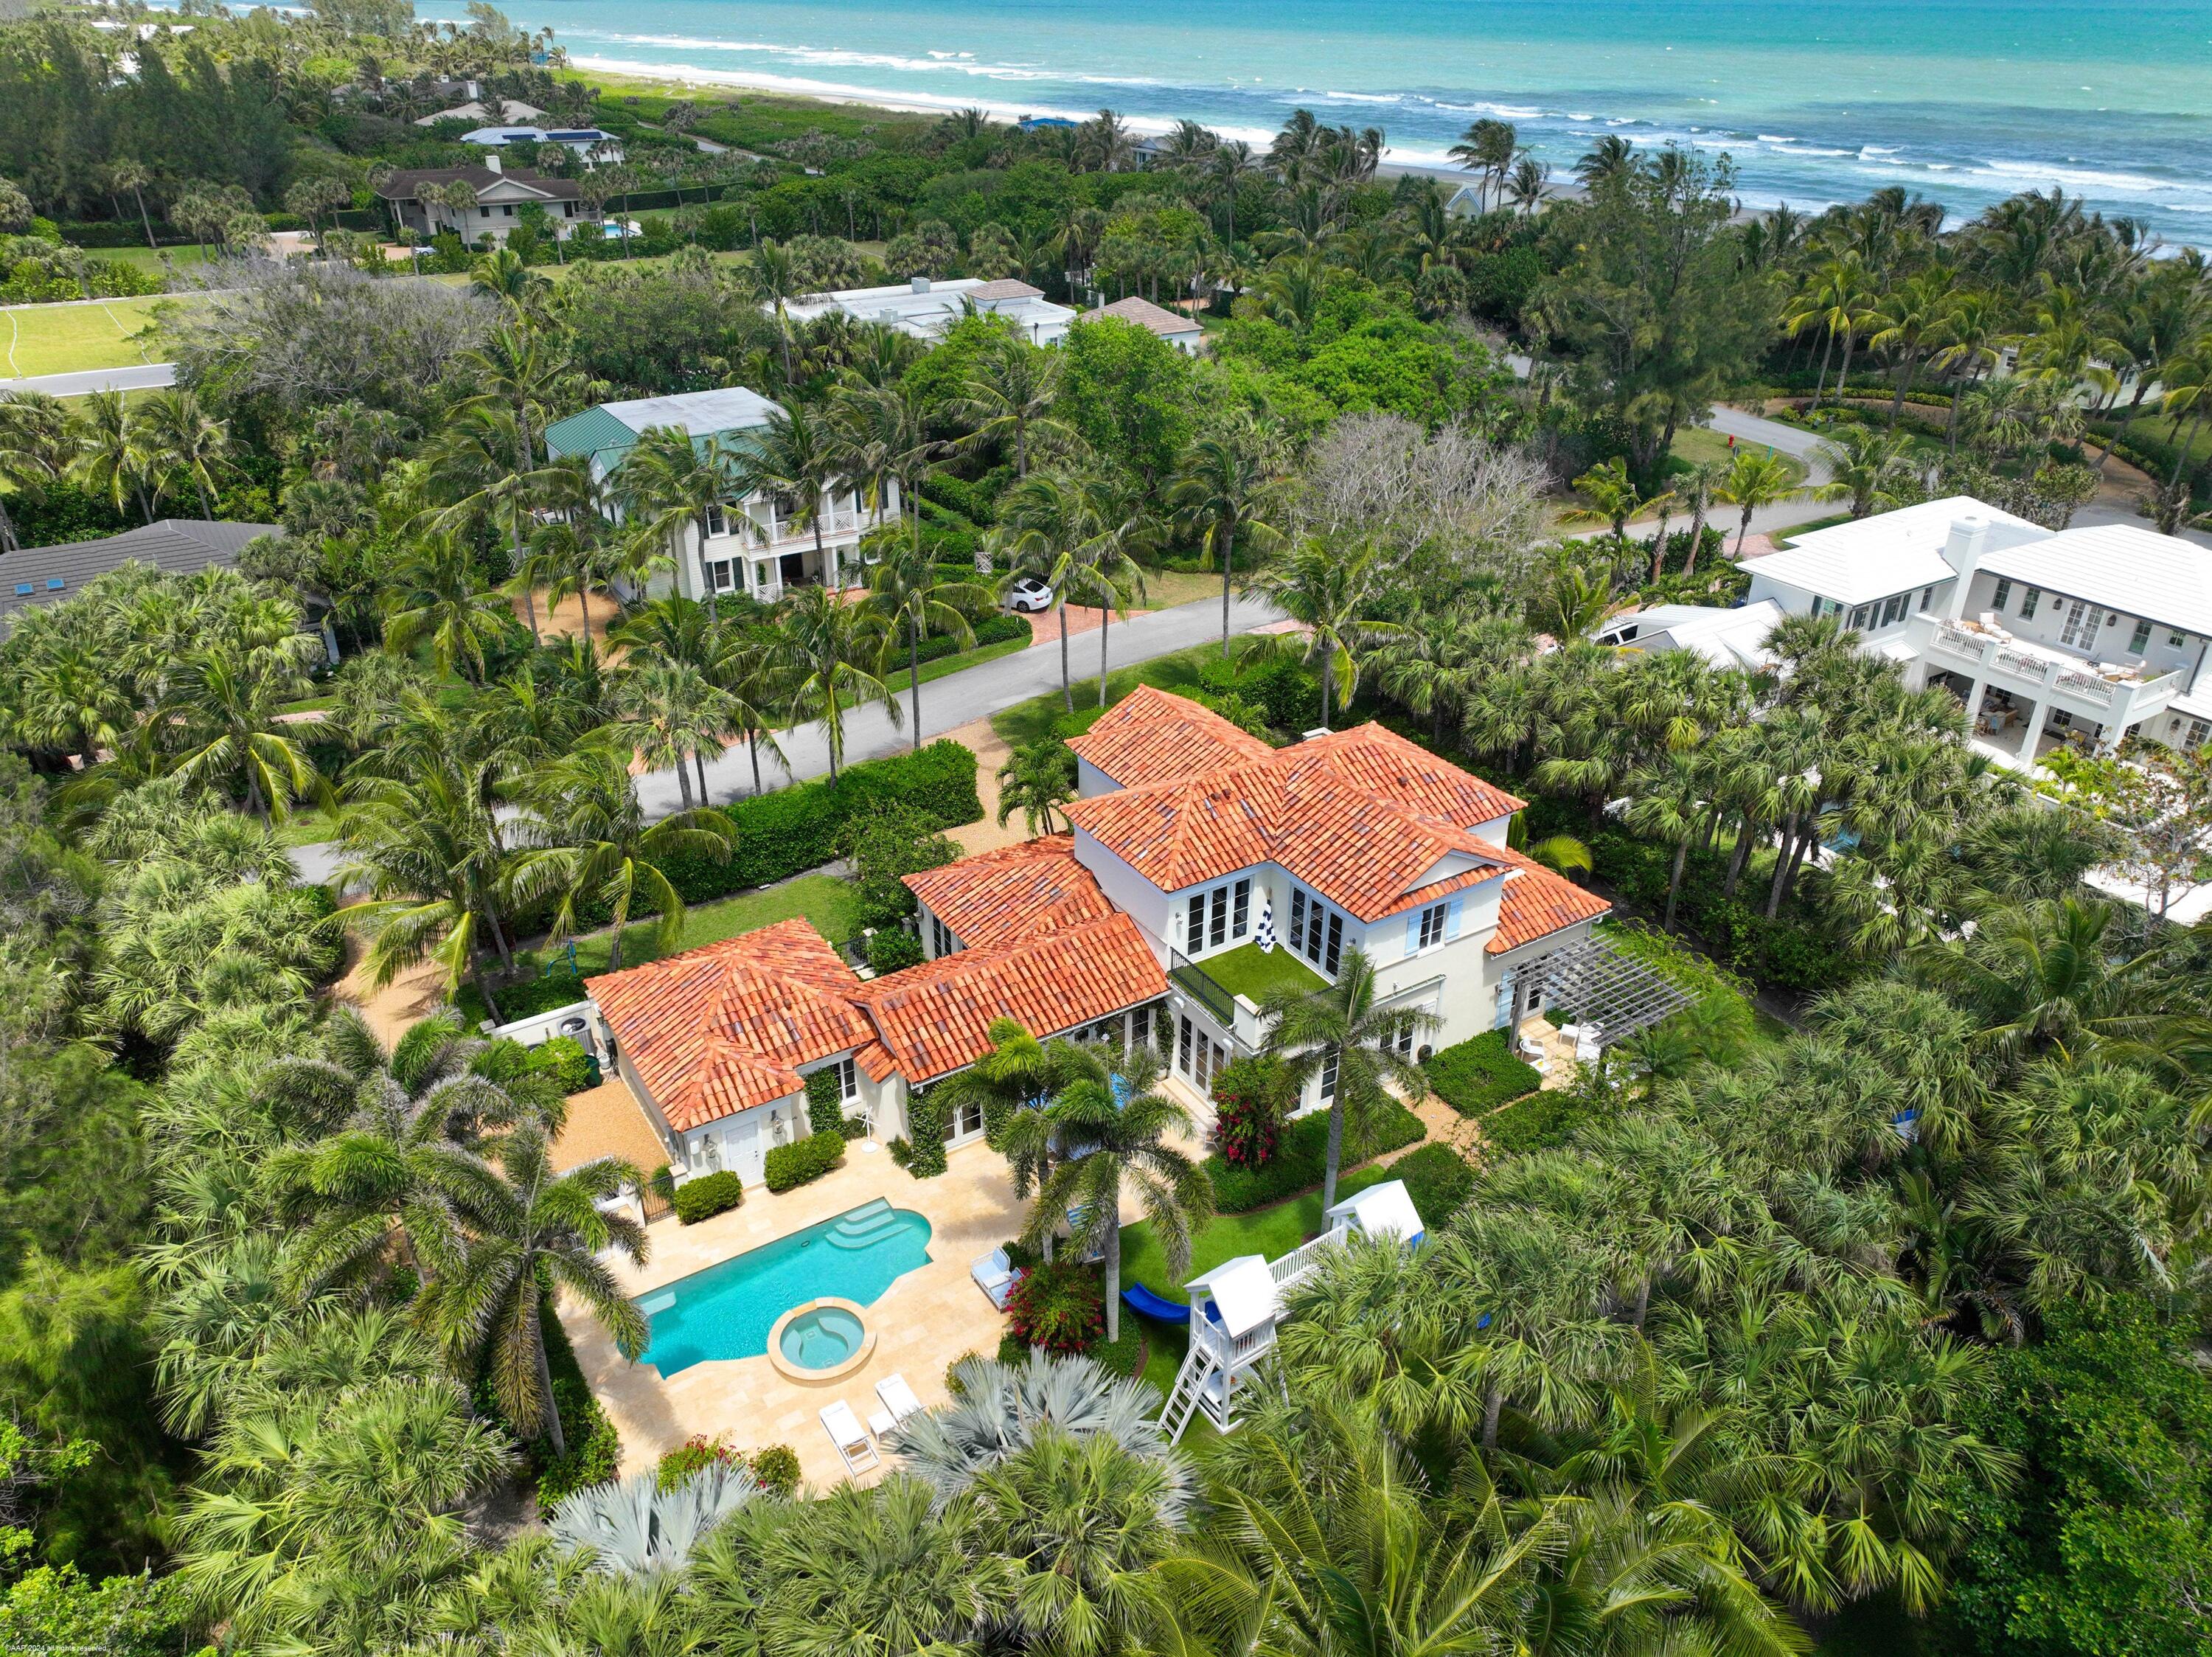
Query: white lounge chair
pixel 854 1448
pixel 898 1398
pixel 994 1275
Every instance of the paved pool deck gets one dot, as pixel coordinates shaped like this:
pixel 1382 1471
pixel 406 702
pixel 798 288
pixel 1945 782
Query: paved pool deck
pixel 923 1322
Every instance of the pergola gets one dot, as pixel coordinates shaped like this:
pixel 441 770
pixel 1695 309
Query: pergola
pixel 1610 995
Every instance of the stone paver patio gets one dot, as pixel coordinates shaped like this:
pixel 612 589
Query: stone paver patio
pixel 925 1320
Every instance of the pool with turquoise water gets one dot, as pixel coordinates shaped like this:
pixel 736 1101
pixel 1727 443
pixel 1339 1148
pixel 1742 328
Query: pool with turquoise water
pixel 727 1310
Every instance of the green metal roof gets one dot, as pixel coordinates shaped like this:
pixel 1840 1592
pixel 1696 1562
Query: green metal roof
pixel 594 431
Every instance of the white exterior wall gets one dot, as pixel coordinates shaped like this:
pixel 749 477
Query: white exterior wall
pixel 2114 631
pixel 1466 999
pixel 1090 782
pixel 1130 893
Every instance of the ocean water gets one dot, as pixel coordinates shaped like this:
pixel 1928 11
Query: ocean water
pixel 1965 101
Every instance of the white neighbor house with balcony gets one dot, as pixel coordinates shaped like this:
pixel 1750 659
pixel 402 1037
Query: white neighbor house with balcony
pixel 2095 634
pixel 757 545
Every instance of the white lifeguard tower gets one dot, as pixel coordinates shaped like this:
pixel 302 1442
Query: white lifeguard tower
pixel 1234 1307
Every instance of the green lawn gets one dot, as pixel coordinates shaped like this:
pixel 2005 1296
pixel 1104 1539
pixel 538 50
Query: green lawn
pixel 149 259
pixel 38 339
pixel 1028 722
pixel 1695 444
pixel 1249 971
pixel 1271 1231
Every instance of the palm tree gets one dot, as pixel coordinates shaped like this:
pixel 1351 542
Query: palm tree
pixel 427 848
pixel 775 278
pixel 37 443
pixel 1094 567
pixel 1333 591
pixel 583 836
pixel 1755 481
pixel 1704 478
pixel 1613 496
pixel 1610 157
pixel 1010 396
pixel 1107 1128
pixel 1866 467
pixel 830 655
pixel 1037 780
pixel 126 172
pixel 1670 800
pixel 538 1232
pixel 115 455
pixel 519 370
pixel 907 590
pixel 1225 485
pixel 1001 1410
pixel 71 703
pixel 392 1159
pixel 226 700
pixel 638 1528
pixel 1487 149
pixel 436 598
pixel 1357 1048
pixel 1973 334
pixel 1529 186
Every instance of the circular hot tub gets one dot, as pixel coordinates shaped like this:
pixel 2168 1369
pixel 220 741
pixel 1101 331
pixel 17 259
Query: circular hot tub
pixel 823 1340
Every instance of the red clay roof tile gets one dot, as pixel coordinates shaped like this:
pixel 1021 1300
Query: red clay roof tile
pixel 1152 736
pixel 1537 902
pixel 936 1017
pixel 1023 888
pixel 1362 817
pixel 720 1029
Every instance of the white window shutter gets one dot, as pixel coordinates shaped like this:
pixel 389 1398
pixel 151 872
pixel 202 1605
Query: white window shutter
pixel 1451 917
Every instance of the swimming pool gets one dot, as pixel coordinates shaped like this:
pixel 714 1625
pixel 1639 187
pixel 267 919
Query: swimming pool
pixel 727 1310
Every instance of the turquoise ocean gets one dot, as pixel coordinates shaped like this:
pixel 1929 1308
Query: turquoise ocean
pixel 1965 101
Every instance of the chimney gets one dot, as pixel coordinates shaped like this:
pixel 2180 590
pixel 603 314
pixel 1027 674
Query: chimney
pixel 921 284
pixel 1963 549
pixel 492 160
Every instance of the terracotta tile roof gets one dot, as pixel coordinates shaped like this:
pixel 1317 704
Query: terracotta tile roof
pixel 1537 902
pixel 720 1029
pixel 998 895
pixel 1152 736
pixel 1362 817
pixel 1145 314
pixel 936 1017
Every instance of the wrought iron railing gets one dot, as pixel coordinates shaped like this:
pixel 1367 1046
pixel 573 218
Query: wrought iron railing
pixel 1195 981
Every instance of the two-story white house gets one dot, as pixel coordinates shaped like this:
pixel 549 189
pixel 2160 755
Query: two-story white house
pixel 1194 846
pixel 2098 633
pixel 925 307
pixel 417 199
pixel 757 545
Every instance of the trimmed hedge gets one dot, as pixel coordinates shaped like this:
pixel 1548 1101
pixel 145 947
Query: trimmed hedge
pixel 997 630
pixel 1479 1076
pixel 808 1160
pixel 798 828
pixel 1541 1122
pixel 1438 1180
pixel 1302 1157
pixel 708 1195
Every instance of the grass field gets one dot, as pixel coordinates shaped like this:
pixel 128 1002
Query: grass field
pixel 150 261
pixel 38 339
pixel 1695 445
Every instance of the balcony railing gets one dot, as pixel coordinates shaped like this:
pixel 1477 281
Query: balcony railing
pixel 1194 981
pixel 1960 643
pixel 2068 675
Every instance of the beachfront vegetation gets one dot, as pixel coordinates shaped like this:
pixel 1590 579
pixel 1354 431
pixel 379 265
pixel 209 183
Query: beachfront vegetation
pixel 1745 1327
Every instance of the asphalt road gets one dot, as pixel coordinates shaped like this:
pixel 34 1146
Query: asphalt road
pixel 144 376
pixel 956 699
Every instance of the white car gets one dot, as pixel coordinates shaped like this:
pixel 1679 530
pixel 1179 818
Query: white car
pixel 1030 594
